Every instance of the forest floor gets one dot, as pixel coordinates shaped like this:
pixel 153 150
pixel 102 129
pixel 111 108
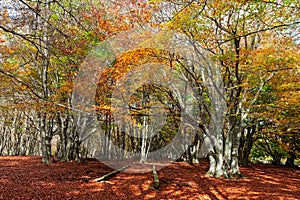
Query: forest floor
pixel 27 178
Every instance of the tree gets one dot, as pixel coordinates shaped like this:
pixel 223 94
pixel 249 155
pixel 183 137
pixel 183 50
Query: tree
pixel 42 66
pixel 281 61
pixel 45 43
pixel 233 31
pixel 280 107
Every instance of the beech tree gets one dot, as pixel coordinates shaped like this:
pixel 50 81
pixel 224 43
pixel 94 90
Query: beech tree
pixel 233 31
pixel 44 43
pixel 278 105
pixel 43 67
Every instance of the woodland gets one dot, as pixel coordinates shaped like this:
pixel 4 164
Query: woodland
pixel 210 87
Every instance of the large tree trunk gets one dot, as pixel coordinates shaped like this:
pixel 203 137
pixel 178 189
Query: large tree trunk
pixel 69 143
pixel 235 171
pixel 223 152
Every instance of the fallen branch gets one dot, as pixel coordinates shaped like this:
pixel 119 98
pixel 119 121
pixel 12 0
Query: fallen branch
pixel 111 174
pixel 155 179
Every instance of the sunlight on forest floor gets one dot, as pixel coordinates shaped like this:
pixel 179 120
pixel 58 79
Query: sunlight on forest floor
pixel 27 178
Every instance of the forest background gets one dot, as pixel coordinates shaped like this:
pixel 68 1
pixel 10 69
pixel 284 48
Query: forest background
pixel 252 47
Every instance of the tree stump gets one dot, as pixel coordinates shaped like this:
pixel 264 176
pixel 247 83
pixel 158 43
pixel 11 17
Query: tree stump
pixel 155 178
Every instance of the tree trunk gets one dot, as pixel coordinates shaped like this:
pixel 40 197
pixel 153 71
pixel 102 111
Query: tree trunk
pixel 44 137
pixel 290 162
pixel 144 133
pixel 246 143
pixel 235 171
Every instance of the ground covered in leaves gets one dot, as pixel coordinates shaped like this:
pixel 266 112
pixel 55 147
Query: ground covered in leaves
pixel 27 178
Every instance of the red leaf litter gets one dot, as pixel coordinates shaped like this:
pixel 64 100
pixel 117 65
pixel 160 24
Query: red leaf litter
pixel 27 178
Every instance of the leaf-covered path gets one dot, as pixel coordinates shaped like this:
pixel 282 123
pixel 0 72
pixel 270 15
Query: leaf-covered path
pixel 27 178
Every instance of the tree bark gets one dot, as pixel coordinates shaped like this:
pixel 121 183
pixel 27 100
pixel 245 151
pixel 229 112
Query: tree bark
pixel 44 137
pixel 155 178
pixel 111 174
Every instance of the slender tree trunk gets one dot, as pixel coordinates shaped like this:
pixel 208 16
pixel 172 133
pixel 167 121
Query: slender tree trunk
pixel 144 133
pixel 44 136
